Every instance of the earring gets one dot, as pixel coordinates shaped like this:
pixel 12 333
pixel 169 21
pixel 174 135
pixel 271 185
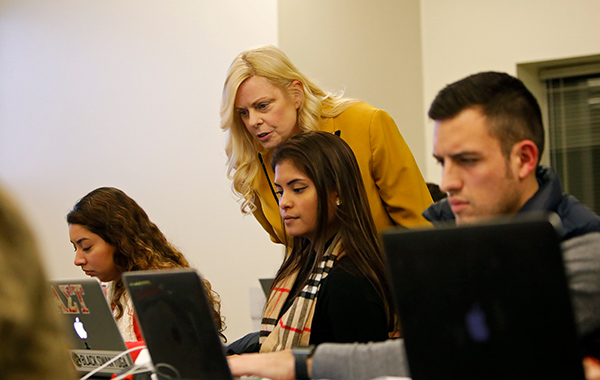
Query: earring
pixel 338 202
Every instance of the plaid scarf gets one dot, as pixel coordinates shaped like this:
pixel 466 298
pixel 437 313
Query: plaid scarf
pixel 294 327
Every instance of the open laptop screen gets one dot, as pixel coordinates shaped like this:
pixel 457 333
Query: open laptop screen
pixel 93 335
pixel 178 324
pixel 486 301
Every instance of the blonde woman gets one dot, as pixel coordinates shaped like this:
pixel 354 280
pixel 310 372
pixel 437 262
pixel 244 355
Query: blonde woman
pixel 266 100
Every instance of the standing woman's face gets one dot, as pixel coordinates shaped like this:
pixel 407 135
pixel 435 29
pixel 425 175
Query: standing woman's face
pixel 269 113
pixel 93 254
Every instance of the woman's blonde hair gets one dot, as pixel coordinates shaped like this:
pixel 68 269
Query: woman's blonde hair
pixel 242 149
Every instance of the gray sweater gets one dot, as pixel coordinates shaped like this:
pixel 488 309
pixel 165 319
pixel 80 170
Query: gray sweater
pixel 367 361
pixel 360 361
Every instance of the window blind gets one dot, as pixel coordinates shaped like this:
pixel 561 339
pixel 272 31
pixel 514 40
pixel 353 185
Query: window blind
pixel 574 135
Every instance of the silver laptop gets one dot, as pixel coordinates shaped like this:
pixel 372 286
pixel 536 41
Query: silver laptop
pixel 178 324
pixel 486 301
pixel 93 335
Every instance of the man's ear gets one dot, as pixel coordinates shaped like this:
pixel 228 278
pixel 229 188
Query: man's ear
pixel 525 154
pixel 296 90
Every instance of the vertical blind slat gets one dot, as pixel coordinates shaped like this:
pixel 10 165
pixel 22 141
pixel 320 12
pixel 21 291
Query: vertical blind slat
pixel 574 135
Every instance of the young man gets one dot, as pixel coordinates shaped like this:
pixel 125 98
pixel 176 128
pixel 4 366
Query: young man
pixel 488 139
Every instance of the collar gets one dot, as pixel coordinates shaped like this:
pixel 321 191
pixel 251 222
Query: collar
pixel 546 198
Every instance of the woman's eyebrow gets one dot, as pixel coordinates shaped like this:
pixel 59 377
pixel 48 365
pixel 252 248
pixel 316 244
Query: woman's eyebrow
pixel 80 240
pixel 291 182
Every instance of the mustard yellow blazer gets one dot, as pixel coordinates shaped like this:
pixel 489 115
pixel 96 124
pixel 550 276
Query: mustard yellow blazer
pixel 394 184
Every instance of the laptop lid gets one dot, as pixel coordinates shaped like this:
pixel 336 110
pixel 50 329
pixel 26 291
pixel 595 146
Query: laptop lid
pixel 485 301
pixel 177 323
pixel 92 333
pixel 266 284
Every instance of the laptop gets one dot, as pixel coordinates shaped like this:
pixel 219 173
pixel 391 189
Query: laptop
pixel 266 284
pixel 92 333
pixel 485 301
pixel 177 324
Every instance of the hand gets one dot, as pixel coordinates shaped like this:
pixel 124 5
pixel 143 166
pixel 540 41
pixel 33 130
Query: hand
pixel 591 367
pixel 273 365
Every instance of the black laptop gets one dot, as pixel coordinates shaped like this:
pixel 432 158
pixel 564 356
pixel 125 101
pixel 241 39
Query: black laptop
pixel 177 323
pixel 485 301
pixel 266 285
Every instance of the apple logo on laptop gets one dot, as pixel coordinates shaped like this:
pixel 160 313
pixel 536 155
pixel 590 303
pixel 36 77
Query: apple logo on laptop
pixel 81 332
pixel 476 324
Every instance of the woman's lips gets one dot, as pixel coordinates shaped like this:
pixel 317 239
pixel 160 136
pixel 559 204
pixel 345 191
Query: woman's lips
pixel 289 219
pixel 264 136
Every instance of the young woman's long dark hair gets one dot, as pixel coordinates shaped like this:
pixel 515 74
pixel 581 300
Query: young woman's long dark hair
pixel 330 163
pixel 139 244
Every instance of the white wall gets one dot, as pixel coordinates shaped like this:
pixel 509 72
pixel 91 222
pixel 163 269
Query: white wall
pixel 126 93
pixel 463 37
pixel 370 49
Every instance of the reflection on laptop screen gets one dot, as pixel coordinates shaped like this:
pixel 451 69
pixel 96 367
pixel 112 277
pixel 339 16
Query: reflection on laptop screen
pixel 485 301
pixel 178 324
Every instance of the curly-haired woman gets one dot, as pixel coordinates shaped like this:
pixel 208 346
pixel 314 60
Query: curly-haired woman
pixel 112 234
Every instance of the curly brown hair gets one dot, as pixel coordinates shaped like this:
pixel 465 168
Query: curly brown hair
pixel 139 244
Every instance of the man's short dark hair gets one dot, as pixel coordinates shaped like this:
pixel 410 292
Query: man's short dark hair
pixel 512 111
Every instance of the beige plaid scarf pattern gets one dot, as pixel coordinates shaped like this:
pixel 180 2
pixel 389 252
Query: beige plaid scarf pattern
pixel 294 327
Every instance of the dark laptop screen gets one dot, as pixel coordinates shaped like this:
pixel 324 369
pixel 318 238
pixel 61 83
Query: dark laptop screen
pixel 177 324
pixel 484 302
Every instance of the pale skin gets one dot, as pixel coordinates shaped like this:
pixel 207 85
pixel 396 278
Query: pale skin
pixel 268 112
